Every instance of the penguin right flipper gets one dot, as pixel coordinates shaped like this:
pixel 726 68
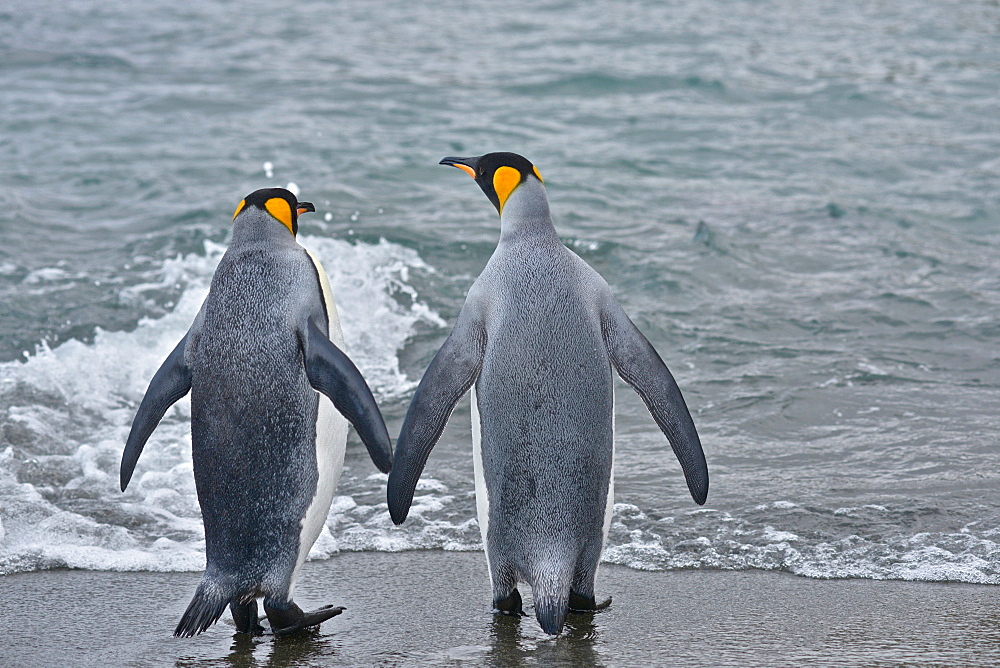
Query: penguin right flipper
pixel 171 382
pixel 332 372
pixel 452 372
pixel 639 365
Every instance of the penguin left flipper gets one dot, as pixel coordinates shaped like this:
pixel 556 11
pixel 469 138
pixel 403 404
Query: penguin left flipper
pixel 452 372
pixel 333 373
pixel 171 382
pixel 639 365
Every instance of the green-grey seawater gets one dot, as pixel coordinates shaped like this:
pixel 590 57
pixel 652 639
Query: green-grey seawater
pixel 797 203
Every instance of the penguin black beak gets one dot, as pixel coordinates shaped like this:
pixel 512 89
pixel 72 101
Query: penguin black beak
pixel 467 165
pixel 304 207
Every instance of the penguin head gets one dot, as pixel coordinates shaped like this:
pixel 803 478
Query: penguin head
pixel 279 204
pixel 498 174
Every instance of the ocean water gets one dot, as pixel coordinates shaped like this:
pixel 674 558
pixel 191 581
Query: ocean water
pixel 797 203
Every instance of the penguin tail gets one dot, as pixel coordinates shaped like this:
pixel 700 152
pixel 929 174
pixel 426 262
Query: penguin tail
pixel 551 614
pixel 550 591
pixel 209 602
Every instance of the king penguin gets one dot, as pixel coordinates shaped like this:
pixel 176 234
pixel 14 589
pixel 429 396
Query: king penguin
pixel 270 390
pixel 536 341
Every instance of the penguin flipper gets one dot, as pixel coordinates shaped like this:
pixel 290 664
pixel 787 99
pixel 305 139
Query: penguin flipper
pixel 639 365
pixel 451 373
pixel 171 382
pixel 332 372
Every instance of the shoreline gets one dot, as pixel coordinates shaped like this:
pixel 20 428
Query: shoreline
pixel 433 608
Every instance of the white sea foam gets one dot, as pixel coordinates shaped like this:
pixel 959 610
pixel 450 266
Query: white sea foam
pixel 379 309
pixel 69 409
pixel 734 543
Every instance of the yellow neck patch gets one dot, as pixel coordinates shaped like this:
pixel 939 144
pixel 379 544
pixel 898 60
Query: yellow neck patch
pixel 280 209
pixel 239 207
pixel 505 179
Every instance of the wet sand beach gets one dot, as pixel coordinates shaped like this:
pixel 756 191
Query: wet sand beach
pixel 432 608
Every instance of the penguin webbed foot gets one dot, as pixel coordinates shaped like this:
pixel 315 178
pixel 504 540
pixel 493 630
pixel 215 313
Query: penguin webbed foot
pixel 583 604
pixel 511 605
pixel 245 617
pixel 293 620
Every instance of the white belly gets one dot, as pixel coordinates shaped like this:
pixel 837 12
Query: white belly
pixel 482 497
pixel 331 443
pixel 609 503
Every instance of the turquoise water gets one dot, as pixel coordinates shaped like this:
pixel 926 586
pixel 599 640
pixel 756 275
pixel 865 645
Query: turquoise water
pixel 797 204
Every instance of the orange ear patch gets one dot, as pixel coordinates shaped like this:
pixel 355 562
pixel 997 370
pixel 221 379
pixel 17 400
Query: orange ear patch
pixel 538 174
pixel 280 209
pixel 239 207
pixel 505 179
